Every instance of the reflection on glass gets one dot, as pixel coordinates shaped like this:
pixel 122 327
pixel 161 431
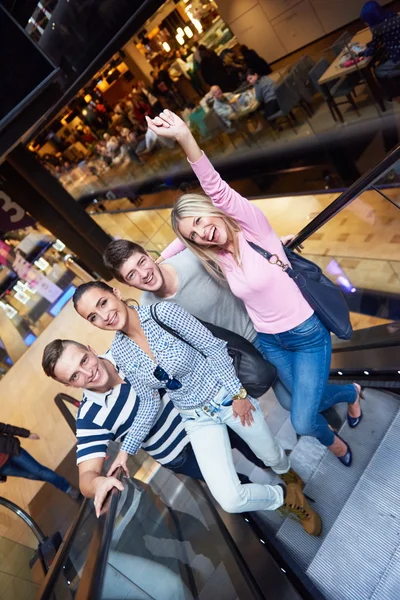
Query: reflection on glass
pixel 35 284
pixel 100 140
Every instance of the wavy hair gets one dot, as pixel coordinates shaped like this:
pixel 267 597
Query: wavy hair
pixel 199 205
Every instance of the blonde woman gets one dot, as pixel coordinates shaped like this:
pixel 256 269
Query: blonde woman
pixel 217 228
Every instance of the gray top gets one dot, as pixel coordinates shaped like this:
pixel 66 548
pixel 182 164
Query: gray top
pixel 204 297
pixel 265 89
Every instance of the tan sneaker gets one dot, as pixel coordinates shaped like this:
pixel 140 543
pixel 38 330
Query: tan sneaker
pixel 296 507
pixel 292 477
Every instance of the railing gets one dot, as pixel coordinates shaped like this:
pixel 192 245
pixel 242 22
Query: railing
pixel 91 583
pixel 93 574
pixel 61 401
pixel 364 183
pixel 33 526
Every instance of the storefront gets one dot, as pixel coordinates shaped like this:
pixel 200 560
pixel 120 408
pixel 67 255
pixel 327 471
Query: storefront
pixel 36 282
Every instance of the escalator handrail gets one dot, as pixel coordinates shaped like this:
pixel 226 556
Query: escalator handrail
pixel 94 569
pixel 47 587
pixel 34 527
pixel 60 400
pixel 361 185
pixel 92 580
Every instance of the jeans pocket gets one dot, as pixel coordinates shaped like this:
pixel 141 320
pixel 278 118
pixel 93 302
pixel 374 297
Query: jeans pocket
pixel 311 325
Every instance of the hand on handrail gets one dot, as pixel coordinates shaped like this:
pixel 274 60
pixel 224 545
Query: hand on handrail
pixel 103 490
pixel 286 239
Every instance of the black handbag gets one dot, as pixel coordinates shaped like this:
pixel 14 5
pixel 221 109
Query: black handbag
pixel 324 297
pixel 255 374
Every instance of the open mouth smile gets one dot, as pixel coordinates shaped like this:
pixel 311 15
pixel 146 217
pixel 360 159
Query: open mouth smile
pixel 211 234
pixel 112 319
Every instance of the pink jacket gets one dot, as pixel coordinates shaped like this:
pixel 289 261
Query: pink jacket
pixel 272 299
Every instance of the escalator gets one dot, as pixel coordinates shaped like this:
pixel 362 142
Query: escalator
pixel 357 556
pixel 165 538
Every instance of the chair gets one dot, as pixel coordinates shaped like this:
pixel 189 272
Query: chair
pixel 333 89
pixel 340 43
pixel 300 81
pixel 288 98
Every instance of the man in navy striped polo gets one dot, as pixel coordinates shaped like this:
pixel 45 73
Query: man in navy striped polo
pixel 107 410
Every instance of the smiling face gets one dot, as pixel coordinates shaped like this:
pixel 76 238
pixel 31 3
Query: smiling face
pixel 141 272
pixel 204 231
pixel 81 368
pixel 103 309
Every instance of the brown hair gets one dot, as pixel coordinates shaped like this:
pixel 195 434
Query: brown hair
pixel 117 252
pixel 53 352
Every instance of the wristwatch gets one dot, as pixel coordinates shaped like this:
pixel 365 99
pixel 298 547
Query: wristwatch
pixel 241 395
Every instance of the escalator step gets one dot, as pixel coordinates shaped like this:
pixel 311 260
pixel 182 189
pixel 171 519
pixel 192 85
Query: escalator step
pixel 358 558
pixel 327 480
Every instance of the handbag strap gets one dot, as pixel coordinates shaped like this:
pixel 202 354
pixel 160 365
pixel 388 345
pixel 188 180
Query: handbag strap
pixel 170 330
pixel 273 259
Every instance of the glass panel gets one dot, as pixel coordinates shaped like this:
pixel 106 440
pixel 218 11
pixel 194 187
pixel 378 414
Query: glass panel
pixel 359 249
pixel 70 575
pixel 100 139
pixel 35 284
pixel 167 544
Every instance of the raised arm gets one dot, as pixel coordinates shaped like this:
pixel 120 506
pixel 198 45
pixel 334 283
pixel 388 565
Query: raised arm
pixel 171 126
pixel 173 248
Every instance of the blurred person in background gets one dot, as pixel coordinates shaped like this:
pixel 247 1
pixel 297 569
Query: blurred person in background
pixel 265 92
pixel 385 45
pixel 17 462
pixel 213 71
pixel 234 66
pixel 222 106
pixel 255 62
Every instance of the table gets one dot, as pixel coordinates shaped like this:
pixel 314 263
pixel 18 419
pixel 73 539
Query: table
pixel 335 71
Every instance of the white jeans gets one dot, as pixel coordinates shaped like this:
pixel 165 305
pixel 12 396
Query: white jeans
pixel 206 428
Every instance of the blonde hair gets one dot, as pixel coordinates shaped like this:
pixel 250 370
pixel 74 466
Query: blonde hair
pixel 198 205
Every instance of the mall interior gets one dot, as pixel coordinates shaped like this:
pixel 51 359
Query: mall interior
pixel 79 167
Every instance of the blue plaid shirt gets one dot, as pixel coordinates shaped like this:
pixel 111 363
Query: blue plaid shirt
pixel 201 376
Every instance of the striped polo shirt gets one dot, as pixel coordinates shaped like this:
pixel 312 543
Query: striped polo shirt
pixel 105 417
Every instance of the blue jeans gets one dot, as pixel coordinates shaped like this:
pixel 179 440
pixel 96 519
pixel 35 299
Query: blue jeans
pixel 27 467
pixel 302 357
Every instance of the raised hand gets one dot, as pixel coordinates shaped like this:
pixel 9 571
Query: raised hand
pixel 168 125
